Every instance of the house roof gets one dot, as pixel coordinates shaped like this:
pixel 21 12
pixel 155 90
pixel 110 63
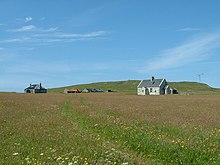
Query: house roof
pixel 88 89
pixel 34 86
pixel 93 90
pixel 150 83
pixel 73 89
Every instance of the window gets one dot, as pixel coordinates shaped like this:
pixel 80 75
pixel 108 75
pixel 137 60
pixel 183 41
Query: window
pixel 151 90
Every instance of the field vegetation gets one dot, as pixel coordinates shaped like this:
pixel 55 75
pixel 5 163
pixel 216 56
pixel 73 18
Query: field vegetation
pixel 109 128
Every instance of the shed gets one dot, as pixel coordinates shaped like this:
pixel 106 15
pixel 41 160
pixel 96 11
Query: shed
pixel 173 91
pixel 88 90
pixel 72 90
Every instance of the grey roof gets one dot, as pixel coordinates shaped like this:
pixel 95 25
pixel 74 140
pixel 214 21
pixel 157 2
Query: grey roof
pixel 150 83
pixel 93 90
pixel 34 86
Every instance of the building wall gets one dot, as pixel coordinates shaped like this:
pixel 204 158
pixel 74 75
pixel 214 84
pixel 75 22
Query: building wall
pixel 40 91
pixel 65 91
pixel 29 91
pixel 167 90
pixel 154 90
pixel 85 91
pixel 148 91
pixel 162 87
pixel 141 91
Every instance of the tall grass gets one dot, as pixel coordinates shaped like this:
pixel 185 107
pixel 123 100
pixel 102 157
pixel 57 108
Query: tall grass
pixel 156 144
pixel 75 129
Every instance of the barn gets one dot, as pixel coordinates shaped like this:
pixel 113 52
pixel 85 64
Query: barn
pixel 35 88
pixel 72 90
pixel 153 87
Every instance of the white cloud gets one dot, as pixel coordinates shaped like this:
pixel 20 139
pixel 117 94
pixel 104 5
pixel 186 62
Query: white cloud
pixel 34 29
pixel 28 19
pixel 87 35
pixel 196 49
pixel 188 29
pixel 24 28
pixel 50 35
pixel 11 40
pixel 48 30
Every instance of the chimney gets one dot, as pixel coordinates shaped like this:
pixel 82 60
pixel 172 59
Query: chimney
pixel 40 86
pixel 152 78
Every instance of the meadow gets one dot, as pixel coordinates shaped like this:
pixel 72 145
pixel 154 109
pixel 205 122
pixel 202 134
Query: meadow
pixel 109 128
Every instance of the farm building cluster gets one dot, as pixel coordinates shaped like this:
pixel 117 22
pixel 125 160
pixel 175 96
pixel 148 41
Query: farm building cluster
pixel 155 87
pixel 145 87
pixel 86 90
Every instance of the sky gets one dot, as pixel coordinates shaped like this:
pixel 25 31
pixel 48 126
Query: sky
pixel 61 43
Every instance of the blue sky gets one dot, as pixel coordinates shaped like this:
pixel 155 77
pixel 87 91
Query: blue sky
pixel 60 43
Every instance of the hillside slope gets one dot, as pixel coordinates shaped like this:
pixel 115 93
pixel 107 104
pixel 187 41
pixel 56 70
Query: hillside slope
pixel 194 88
pixel 117 86
pixel 131 86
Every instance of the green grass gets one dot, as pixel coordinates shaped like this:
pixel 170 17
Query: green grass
pixel 130 86
pixel 158 144
pixel 194 87
pixel 72 129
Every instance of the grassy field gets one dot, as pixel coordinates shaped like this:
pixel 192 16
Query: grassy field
pixel 109 128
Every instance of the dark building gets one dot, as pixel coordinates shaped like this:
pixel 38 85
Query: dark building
pixel 35 88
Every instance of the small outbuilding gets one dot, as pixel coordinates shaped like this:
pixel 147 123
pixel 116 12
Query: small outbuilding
pixel 89 90
pixel 35 88
pixel 173 91
pixel 72 90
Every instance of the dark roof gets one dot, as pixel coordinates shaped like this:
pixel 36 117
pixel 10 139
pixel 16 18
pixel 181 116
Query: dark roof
pixel 98 90
pixel 93 90
pixel 33 86
pixel 89 89
pixel 150 83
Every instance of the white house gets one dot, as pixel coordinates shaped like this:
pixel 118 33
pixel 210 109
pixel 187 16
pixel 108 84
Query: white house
pixel 153 87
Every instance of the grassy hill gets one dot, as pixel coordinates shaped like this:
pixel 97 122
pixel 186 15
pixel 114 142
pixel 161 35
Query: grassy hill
pixel 194 88
pixel 118 86
pixel 130 86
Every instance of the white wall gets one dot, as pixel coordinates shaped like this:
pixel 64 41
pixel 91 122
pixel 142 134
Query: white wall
pixel 154 90
pixel 141 91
